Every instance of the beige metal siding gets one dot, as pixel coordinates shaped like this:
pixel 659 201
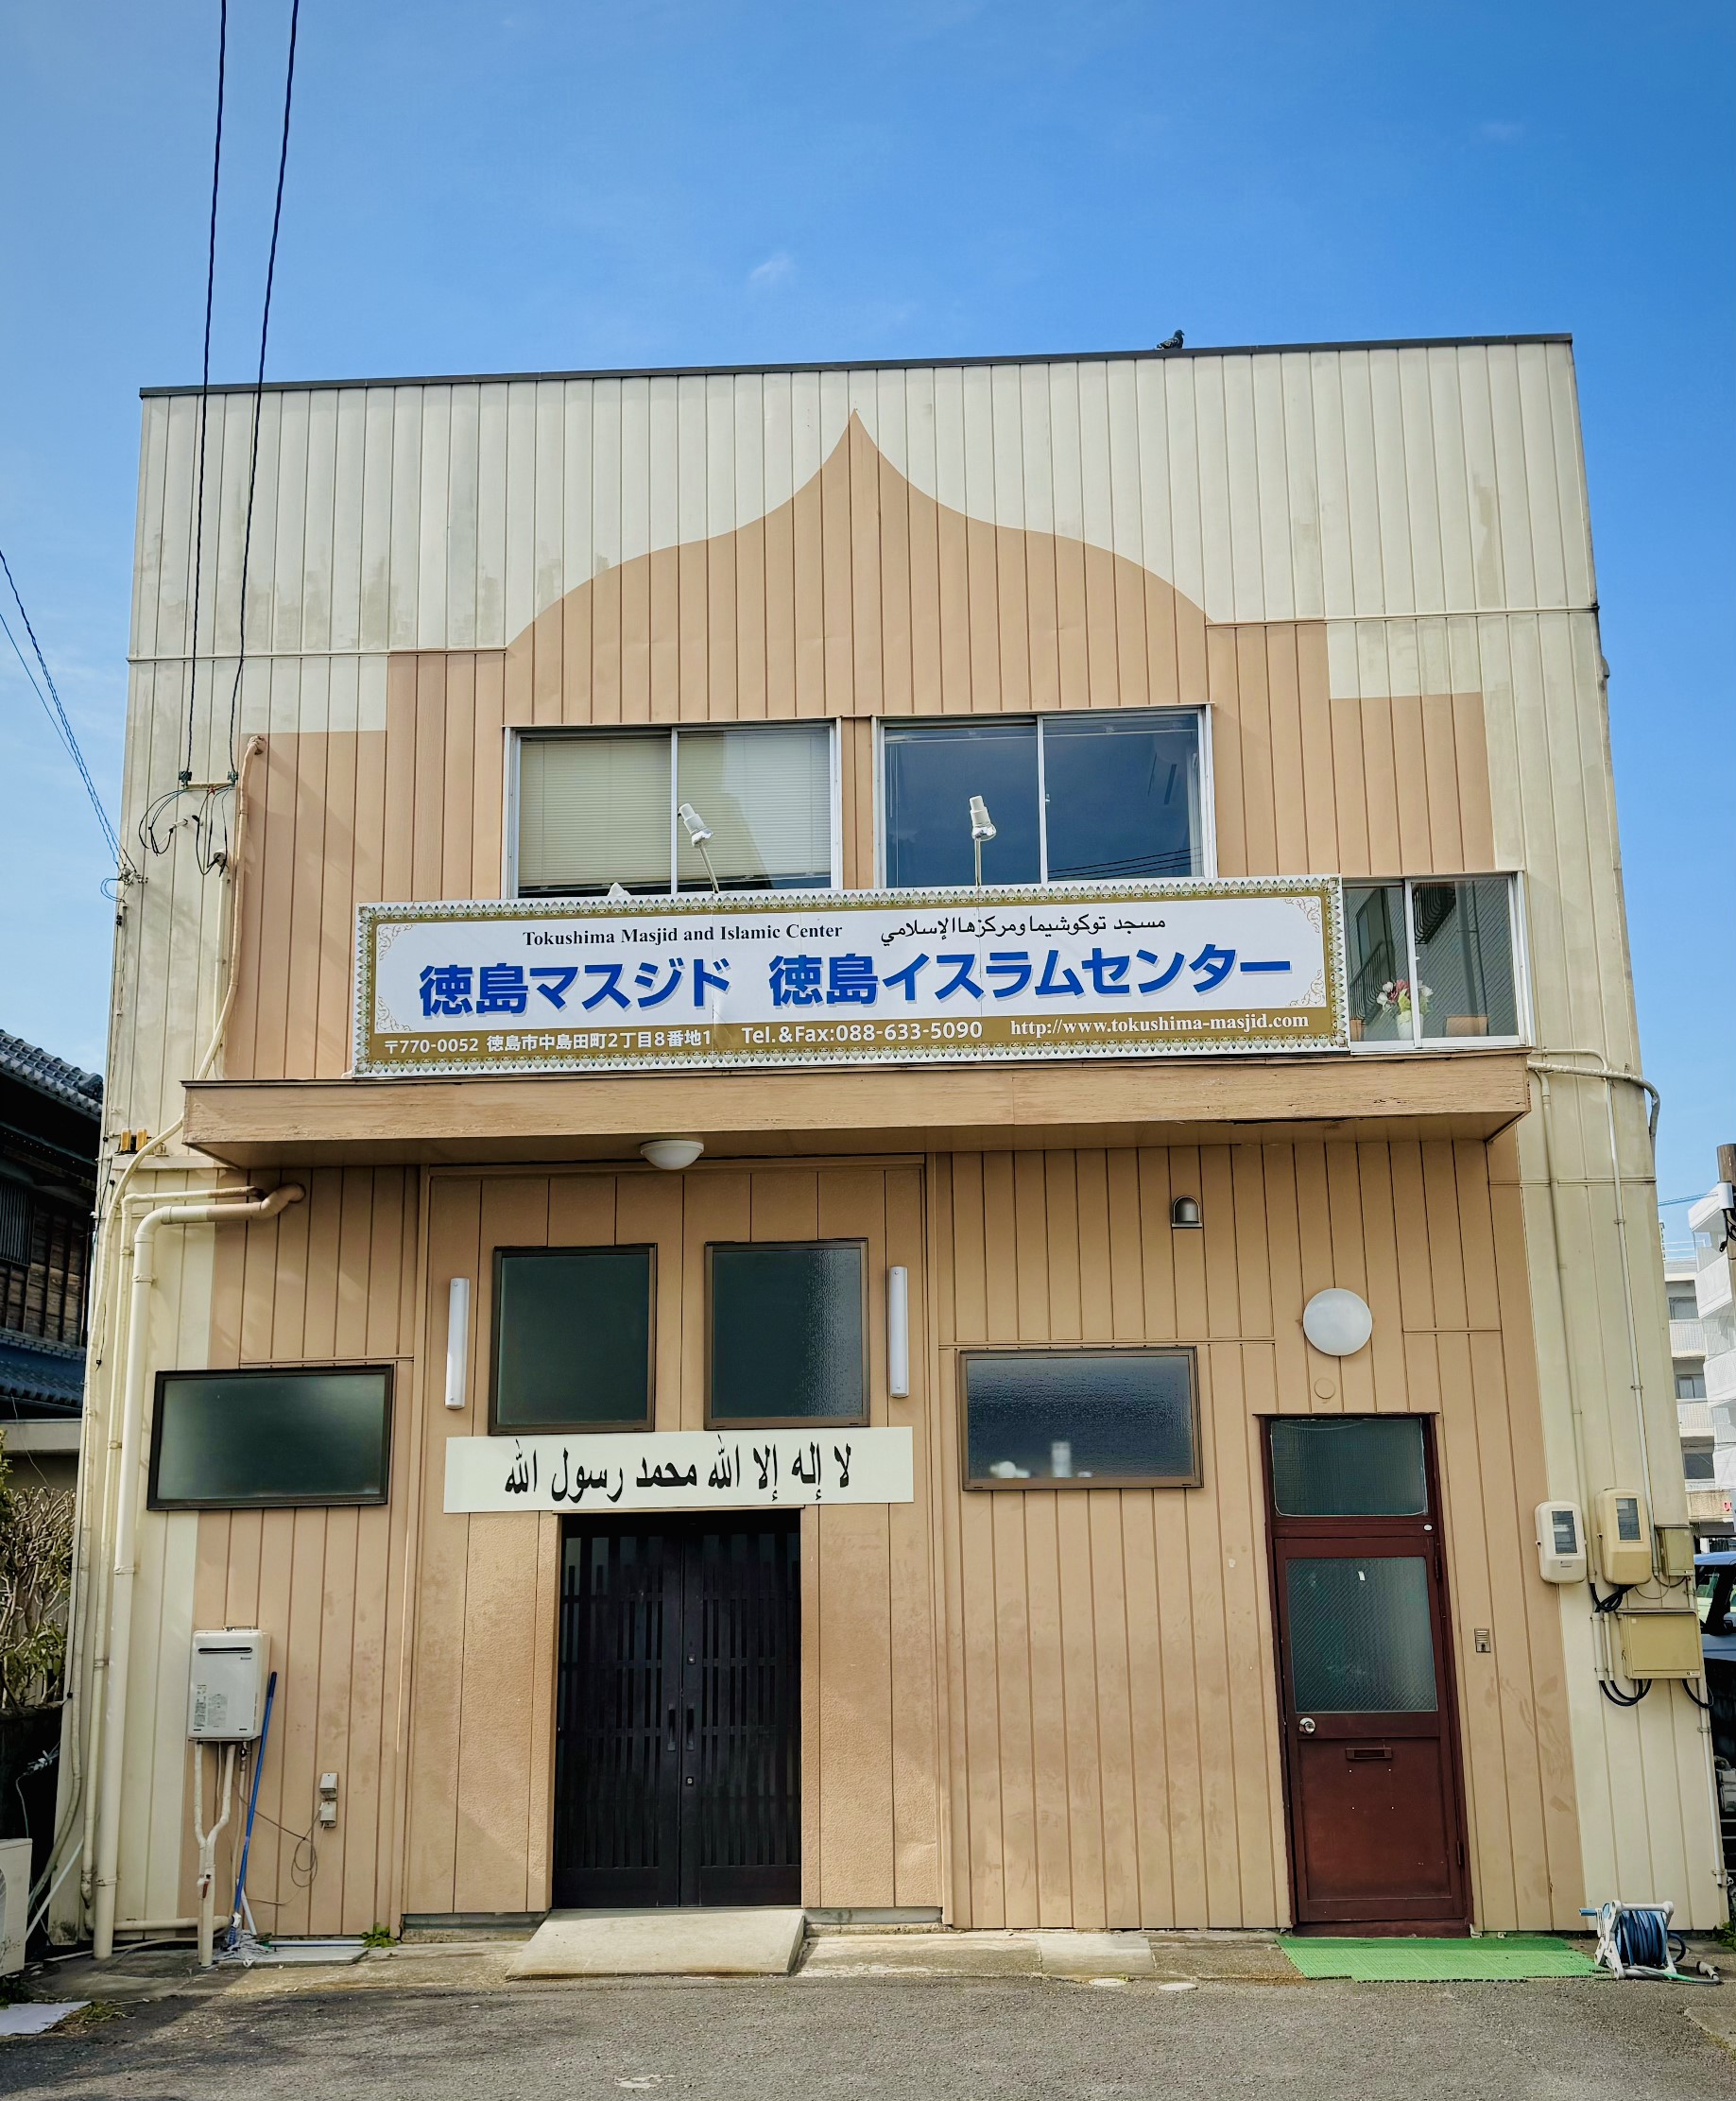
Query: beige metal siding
pixel 1374 565
pixel 334 1279
pixel 1115 1758
pixel 1088 1676
pixel 482 1695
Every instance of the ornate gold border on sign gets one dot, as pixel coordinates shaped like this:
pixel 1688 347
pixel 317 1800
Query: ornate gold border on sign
pixel 378 925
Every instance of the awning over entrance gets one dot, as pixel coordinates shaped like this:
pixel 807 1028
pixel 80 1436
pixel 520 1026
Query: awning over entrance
pixel 1458 1093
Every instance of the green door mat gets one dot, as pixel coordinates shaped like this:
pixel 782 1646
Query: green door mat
pixel 1491 1959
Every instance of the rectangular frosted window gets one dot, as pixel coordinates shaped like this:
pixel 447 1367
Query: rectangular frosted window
pixel 1377 962
pixel 229 1440
pixel 1073 799
pixel 766 796
pixel 599 807
pixel 1349 1466
pixel 1121 795
pixel 1464 957
pixel 933 769
pixel 787 1333
pixel 594 810
pixel 1361 1638
pixel 573 1338
pixel 1081 1418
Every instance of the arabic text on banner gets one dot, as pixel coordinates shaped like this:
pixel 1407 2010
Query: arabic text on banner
pixel 679 1470
pixel 849 978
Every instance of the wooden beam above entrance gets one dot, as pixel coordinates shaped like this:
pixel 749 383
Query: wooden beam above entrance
pixel 1459 1094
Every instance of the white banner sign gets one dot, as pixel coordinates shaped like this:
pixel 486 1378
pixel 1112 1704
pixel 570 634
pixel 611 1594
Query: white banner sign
pixel 679 1470
pixel 857 977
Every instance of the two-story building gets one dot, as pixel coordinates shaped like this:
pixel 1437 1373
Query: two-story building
pixel 939 1078
pixel 50 1116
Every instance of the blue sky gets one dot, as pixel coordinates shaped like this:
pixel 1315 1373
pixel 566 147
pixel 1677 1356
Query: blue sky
pixel 560 185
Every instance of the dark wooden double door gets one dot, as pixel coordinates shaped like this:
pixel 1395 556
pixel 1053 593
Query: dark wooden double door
pixel 677 1776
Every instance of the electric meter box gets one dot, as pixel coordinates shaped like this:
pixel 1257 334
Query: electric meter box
pixel 1660 1644
pixel 226 1694
pixel 1623 1537
pixel 1674 1551
pixel 1561 1542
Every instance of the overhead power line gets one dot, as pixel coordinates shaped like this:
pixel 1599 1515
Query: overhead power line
pixel 265 331
pixel 210 833
pixel 55 712
pixel 204 389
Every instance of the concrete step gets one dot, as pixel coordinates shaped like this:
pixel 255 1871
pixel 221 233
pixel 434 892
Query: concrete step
pixel 762 1942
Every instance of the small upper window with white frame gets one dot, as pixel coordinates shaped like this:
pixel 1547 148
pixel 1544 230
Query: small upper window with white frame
pixel 1115 796
pixel 1433 962
pixel 662 812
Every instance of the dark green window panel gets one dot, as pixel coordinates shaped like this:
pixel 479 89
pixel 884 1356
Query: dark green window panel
pixel 1081 1419
pixel 1361 1638
pixel 573 1338
pixel 788 1335
pixel 230 1439
pixel 1349 1466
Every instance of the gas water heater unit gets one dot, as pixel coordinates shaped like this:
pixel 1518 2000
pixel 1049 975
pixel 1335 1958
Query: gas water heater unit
pixel 226 1693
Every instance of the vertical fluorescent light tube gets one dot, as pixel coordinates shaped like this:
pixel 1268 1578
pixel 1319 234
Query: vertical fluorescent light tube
pixel 457 1339
pixel 897 1332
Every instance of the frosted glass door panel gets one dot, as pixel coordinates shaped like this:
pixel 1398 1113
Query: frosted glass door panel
pixel 1361 1639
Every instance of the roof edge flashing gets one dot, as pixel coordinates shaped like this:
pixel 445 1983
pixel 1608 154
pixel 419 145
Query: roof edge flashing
pixel 850 365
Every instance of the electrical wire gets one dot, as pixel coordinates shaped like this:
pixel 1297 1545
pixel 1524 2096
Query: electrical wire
pixel 204 387
pixel 55 712
pixel 209 822
pixel 265 331
pixel 1703 1705
pixel 302 1873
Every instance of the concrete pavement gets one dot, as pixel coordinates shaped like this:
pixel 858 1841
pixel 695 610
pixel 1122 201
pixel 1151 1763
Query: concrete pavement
pixel 846 2039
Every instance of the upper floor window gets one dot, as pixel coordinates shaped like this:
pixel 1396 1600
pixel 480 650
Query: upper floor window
pixel 42 1256
pixel 661 811
pixel 1072 798
pixel 1432 962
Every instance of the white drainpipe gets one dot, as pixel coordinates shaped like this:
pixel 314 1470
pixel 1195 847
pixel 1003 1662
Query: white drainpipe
pixel 108 1780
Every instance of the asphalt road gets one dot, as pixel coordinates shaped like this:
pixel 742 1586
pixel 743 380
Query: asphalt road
pixel 1003 2040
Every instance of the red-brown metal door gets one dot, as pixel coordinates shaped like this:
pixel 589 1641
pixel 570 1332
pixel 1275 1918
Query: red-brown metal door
pixel 1365 1677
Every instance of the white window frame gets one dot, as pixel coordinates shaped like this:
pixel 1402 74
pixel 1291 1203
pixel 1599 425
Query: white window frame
pixel 1367 1047
pixel 1208 800
pixel 672 731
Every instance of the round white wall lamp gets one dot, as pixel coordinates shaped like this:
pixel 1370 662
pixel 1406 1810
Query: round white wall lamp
pixel 672 1153
pixel 1337 1322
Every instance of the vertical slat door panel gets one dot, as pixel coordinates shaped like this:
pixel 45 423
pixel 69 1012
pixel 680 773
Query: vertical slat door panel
pixel 678 1765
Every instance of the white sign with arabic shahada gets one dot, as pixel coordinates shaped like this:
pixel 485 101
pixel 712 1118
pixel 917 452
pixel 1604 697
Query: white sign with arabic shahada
pixel 679 1470
pixel 850 978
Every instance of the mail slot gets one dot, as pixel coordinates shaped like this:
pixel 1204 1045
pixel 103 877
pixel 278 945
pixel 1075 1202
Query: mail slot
pixel 1369 1754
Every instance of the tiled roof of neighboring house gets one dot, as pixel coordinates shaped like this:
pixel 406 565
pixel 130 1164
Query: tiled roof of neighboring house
pixel 50 1075
pixel 36 1374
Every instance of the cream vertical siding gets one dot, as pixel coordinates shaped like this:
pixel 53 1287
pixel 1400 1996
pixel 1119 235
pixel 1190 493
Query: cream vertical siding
pixel 1374 566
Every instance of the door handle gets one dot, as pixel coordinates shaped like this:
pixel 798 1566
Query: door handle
pixel 1306 1725
pixel 671 1724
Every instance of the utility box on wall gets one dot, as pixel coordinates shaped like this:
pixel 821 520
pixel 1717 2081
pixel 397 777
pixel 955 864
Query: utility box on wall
pixel 225 1689
pixel 1660 1645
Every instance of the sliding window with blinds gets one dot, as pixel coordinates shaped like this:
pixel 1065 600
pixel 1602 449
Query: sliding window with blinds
pixel 596 808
